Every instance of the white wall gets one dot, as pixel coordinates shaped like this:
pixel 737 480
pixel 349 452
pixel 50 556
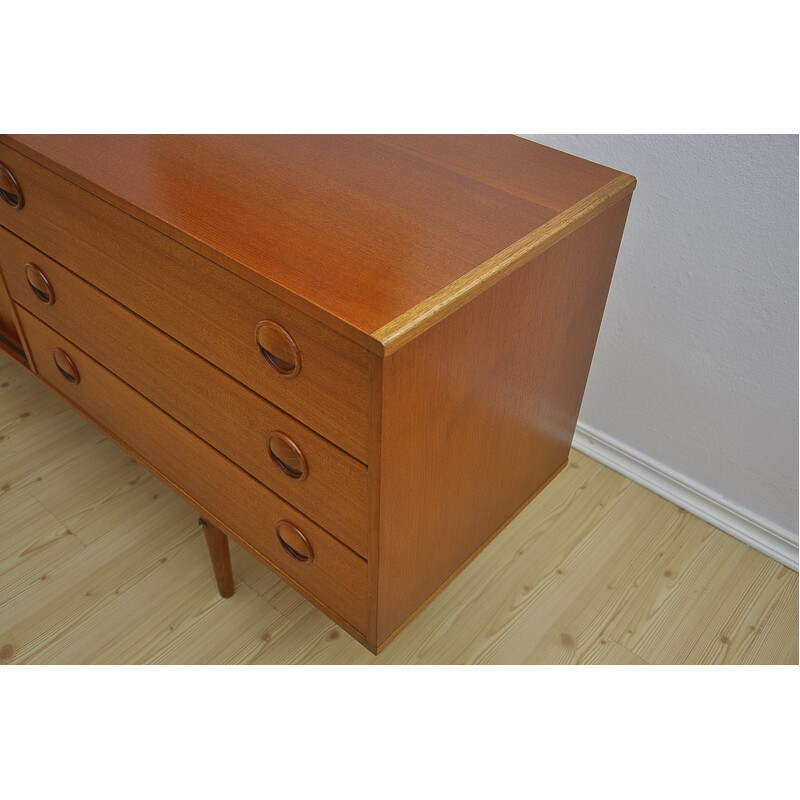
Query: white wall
pixel 694 383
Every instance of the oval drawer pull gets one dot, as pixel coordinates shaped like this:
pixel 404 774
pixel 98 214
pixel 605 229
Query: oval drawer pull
pixel 294 542
pixel 66 366
pixel 9 188
pixel 39 284
pixel 278 348
pixel 287 456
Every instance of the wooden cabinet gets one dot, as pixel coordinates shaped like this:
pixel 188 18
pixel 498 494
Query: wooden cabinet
pixel 359 356
pixel 8 326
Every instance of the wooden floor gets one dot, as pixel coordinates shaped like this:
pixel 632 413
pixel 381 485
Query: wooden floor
pixel 101 563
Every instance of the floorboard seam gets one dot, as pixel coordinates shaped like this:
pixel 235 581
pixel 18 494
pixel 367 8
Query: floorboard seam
pixel 626 649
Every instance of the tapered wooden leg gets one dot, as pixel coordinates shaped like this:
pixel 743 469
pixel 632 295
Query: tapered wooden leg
pixel 220 554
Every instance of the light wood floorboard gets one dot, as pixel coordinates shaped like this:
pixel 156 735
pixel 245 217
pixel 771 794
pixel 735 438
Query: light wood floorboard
pixel 101 563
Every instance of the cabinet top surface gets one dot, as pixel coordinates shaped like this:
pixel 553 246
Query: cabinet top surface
pixel 376 231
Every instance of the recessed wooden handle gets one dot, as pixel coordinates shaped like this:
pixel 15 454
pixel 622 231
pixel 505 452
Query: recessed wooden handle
pixel 294 542
pixel 66 366
pixel 39 284
pixel 287 456
pixel 278 348
pixel 9 188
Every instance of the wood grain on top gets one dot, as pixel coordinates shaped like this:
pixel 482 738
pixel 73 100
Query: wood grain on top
pixel 365 228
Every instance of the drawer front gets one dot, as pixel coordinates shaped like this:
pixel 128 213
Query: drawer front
pixel 335 576
pixel 204 306
pixel 305 469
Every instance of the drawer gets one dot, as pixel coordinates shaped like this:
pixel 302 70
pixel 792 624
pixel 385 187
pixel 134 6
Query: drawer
pixel 306 470
pixel 334 576
pixel 201 304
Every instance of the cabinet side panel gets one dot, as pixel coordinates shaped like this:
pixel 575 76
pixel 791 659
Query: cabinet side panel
pixel 8 325
pixel 12 341
pixel 479 411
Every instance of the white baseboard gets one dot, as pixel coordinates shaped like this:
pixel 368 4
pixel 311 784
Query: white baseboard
pixel 764 536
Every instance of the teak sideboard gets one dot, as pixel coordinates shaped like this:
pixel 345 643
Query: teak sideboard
pixel 358 356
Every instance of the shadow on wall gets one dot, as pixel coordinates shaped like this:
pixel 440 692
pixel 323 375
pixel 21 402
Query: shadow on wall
pixel 694 381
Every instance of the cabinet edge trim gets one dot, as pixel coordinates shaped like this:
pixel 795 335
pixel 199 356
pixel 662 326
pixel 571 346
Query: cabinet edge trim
pixel 428 312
